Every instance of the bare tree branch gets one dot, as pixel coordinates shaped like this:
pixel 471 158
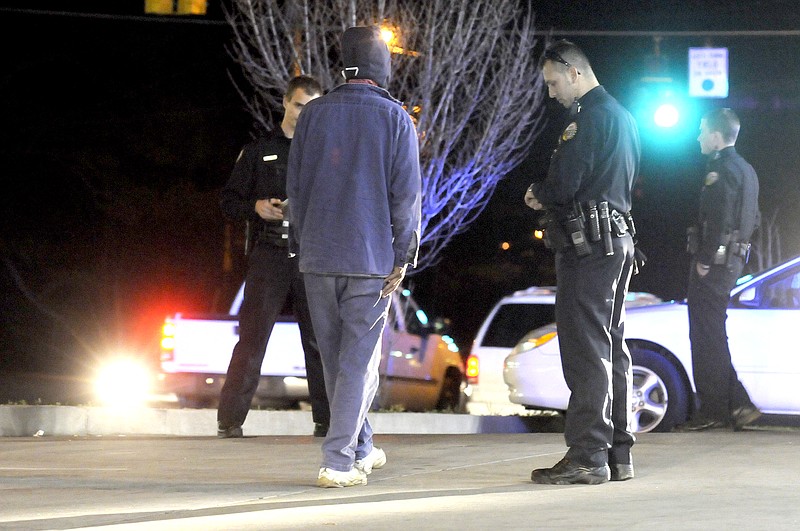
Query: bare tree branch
pixel 766 244
pixel 467 71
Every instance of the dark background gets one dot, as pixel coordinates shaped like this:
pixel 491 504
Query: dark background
pixel 118 131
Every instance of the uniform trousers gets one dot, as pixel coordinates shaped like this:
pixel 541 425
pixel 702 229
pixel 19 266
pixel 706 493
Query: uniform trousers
pixel 590 315
pixel 271 277
pixel 719 390
pixel 349 317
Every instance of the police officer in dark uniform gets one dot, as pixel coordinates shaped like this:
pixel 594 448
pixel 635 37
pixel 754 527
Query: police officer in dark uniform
pixel 720 244
pixel 587 197
pixel 255 193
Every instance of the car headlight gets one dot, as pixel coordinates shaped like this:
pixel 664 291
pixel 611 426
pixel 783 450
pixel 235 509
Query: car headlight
pixel 536 339
pixel 123 382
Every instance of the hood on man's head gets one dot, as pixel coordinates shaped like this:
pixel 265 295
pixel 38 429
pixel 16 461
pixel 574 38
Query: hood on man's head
pixel 365 55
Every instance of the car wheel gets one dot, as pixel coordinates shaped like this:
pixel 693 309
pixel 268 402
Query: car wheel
pixel 660 400
pixel 452 397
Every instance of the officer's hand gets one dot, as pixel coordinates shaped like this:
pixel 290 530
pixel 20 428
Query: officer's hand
pixel 393 281
pixel 532 202
pixel 269 209
pixel 702 269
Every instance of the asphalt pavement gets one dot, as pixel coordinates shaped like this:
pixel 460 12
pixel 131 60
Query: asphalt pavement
pixel 725 480
pixel 81 467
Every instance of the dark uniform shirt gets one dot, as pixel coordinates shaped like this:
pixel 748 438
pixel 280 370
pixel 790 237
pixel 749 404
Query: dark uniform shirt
pixel 728 203
pixel 597 157
pixel 259 173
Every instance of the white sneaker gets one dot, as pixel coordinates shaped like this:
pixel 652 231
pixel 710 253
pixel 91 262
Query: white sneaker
pixel 329 477
pixel 375 459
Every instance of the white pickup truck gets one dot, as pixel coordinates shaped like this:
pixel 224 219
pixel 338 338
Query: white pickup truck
pixel 420 370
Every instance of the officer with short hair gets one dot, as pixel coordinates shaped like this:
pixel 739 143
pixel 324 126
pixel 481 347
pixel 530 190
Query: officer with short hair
pixel 587 196
pixel 720 244
pixel 255 192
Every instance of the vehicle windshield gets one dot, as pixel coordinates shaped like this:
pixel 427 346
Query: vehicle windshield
pixel 779 291
pixel 513 321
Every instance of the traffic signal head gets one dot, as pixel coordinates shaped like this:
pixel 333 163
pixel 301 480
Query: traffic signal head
pixel 663 112
pixel 666 115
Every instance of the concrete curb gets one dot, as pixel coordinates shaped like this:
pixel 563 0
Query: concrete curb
pixel 27 421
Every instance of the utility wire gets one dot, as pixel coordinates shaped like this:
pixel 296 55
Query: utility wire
pixel 554 31
pixel 652 33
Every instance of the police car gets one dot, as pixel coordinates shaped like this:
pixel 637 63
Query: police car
pixel 763 316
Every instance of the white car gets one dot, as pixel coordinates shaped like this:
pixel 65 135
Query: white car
pixel 507 323
pixel 763 317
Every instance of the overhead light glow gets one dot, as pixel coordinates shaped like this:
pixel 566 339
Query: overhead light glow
pixel 387 35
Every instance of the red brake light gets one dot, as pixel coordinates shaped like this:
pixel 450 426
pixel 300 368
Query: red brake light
pixel 473 368
pixel 167 341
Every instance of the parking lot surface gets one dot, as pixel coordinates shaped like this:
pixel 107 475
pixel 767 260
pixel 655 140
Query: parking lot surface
pixel 725 480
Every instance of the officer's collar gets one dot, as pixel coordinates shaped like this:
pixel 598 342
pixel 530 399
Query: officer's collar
pixel 724 152
pixel 592 95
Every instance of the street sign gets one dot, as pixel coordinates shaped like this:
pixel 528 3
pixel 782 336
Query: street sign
pixel 708 72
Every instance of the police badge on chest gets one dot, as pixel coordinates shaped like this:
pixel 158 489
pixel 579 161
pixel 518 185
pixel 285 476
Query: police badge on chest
pixel 570 132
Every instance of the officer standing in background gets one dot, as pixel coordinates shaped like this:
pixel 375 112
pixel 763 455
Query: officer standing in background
pixel 720 244
pixel 255 192
pixel 587 197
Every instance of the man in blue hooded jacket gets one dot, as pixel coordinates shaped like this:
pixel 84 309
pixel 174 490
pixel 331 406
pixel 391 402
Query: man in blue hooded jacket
pixel 354 188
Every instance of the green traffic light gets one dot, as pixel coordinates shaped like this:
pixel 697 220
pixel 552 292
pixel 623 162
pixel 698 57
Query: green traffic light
pixel 666 115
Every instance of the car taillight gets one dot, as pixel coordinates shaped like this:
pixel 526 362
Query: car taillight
pixel 168 341
pixel 473 369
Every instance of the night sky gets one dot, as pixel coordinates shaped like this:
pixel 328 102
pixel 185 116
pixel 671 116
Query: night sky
pixel 119 130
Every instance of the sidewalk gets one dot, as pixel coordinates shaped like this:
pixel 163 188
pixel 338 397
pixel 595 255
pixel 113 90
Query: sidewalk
pixel 746 480
pixel 26 421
